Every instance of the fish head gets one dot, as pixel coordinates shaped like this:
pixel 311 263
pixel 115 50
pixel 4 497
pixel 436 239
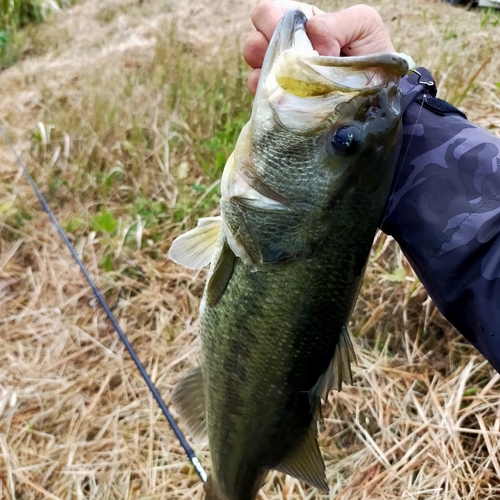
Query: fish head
pixel 323 130
pixel 349 106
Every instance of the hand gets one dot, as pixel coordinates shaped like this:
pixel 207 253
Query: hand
pixel 355 31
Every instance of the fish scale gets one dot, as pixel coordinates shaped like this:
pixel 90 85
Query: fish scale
pixel 279 152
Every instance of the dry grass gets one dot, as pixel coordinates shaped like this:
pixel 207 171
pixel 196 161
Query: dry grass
pixel 125 131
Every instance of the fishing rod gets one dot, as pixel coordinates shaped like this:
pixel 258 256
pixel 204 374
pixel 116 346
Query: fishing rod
pixel 102 301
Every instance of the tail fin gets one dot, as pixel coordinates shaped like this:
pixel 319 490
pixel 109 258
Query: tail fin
pixel 210 490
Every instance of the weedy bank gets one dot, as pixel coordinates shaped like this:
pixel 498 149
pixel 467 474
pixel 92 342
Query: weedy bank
pixel 16 16
pixel 126 113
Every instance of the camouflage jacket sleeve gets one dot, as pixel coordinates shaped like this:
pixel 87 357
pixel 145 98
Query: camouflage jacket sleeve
pixel 444 212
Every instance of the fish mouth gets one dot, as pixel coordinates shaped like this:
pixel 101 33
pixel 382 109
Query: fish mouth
pixel 289 34
pixel 292 65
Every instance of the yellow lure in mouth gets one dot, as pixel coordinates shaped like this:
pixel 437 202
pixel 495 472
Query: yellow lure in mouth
pixel 298 78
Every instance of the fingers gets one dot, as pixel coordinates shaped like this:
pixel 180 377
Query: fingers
pixel 265 17
pixel 324 34
pixel 358 30
pixel 267 14
pixel 254 49
pixel 253 80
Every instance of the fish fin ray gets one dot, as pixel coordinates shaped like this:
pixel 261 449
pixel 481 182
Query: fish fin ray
pixel 188 399
pixel 318 414
pixel 210 493
pixel 197 247
pixel 338 371
pixel 306 462
pixel 220 275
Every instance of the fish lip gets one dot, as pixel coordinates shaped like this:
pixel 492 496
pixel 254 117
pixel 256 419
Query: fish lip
pixel 392 62
pixel 291 22
pixel 284 38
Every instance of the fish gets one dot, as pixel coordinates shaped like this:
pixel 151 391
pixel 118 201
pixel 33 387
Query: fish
pixel 302 195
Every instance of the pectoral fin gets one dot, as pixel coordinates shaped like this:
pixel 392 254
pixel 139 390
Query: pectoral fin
pixel 196 248
pixel 306 463
pixel 188 399
pixel 220 275
pixel 338 371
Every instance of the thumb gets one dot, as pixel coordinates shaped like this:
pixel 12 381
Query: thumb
pixel 358 30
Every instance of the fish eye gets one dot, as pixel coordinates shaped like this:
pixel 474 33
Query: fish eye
pixel 345 139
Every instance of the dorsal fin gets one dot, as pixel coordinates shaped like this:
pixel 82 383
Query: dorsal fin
pixel 338 371
pixel 306 463
pixel 188 399
pixel 196 248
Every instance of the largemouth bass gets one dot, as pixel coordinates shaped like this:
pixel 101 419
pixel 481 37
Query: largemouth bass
pixel 301 198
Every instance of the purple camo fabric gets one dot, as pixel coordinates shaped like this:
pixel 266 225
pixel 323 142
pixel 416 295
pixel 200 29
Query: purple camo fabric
pixel 445 214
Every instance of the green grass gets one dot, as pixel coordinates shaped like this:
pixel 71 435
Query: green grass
pixel 16 16
pixel 134 170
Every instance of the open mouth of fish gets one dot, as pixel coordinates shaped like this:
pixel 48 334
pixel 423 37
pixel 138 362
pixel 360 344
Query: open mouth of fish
pixel 300 85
